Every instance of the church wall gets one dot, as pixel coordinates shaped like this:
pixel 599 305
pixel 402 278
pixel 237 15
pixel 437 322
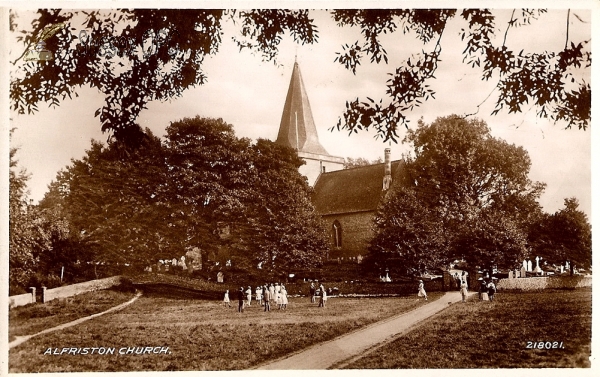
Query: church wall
pixel 356 234
pixel 313 168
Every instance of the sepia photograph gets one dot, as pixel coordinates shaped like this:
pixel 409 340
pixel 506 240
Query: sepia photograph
pixel 247 186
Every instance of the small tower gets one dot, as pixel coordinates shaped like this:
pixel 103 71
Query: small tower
pixel 297 130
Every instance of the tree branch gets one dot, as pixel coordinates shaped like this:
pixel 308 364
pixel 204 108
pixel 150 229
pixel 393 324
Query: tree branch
pixel 510 23
pixel 567 39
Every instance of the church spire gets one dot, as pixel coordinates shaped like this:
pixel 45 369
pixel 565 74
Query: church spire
pixel 297 128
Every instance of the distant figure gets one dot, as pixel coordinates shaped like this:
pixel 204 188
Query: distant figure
pixel 422 292
pixel 272 292
pixel 284 298
pixel 482 289
pixel 312 292
pixel 463 290
pixel 267 297
pixel 323 298
pixel 278 296
pixel 491 290
pixel 249 294
pixel 464 286
pixel 226 301
pixel 259 294
pixel 241 300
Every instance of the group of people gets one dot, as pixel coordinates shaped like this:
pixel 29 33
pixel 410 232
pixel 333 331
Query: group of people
pixel 265 295
pixel 321 293
pixel 272 294
pixel 487 286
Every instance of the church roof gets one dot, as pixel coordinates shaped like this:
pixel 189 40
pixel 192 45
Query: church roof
pixel 351 190
pixel 297 129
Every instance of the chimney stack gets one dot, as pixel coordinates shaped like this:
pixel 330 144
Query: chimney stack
pixel 387 176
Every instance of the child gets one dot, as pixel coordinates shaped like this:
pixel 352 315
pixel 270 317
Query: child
pixel 259 294
pixel 491 290
pixel 464 290
pixel 323 299
pixel 226 299
pixel 422 292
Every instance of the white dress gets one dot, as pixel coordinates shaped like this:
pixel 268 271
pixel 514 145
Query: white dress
pixel 284 298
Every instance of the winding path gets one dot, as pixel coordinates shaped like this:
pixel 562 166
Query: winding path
pixel 22 339
pixel 344 349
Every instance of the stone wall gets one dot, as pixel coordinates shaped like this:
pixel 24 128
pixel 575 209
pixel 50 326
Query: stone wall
pixel 21 300
pixel 536 283
pixel 357 232
pixel 75 289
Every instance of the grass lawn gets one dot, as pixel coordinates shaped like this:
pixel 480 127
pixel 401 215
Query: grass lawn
pixel 33 318
pixel 201 335
pixel 496 335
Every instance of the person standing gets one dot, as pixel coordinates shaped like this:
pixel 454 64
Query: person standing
pixel 249 294
pixel 491 290
pixel 272 291
pixel 278 296
pixel 323 298
pixel 312 292
pixel 482 289
pixel 226 301
pixel 267 298
pixel 259 293
pixel 422 292
pixel 241 300
pixel 284 298
pixel 464 290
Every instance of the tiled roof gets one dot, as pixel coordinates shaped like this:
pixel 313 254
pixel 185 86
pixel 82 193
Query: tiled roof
pixel 351 190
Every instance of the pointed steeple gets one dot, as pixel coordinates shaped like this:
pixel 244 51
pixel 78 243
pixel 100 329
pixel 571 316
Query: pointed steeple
pixel 297 128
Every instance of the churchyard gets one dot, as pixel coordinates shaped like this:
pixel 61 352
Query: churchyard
pixel 193 334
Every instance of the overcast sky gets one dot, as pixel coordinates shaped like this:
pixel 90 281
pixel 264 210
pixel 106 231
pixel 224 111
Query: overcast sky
pixel 250 94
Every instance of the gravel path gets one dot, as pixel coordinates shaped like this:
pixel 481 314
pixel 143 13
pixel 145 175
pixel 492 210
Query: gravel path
pixel 346 348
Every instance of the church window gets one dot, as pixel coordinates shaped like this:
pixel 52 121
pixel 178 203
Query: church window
pixel 337 233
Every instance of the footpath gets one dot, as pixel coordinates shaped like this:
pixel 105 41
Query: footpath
pixel 344 349
pixel 21 339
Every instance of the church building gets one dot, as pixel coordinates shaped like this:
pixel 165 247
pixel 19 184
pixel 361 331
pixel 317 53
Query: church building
pixel 347 199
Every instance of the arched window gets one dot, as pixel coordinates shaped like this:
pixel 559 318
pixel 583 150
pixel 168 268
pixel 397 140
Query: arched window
pixel 336 230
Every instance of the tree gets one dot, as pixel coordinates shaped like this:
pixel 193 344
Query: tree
pixel 463 196
pixel 202 189
pixel 31 231
pixel 408 233
pixel 284 231
pixel 114 202
pixel 134 56
pixel 565 236
pixel 350 162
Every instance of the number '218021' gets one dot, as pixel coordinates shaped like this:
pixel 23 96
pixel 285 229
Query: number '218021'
pixel 545 345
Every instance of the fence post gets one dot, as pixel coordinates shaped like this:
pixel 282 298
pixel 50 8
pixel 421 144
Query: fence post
pixel 33 298
pixel 44 295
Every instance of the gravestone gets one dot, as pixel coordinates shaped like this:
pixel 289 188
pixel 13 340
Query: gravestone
pixel 510 274
pixel 220 277
pixel 523 272
pixel 529 266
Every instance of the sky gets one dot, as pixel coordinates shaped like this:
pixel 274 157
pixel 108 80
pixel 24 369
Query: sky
pixel 250 95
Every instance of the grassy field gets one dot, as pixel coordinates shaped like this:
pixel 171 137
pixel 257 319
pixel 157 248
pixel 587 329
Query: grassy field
pixel 496 335
pixel 30 319
pixel 201 335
